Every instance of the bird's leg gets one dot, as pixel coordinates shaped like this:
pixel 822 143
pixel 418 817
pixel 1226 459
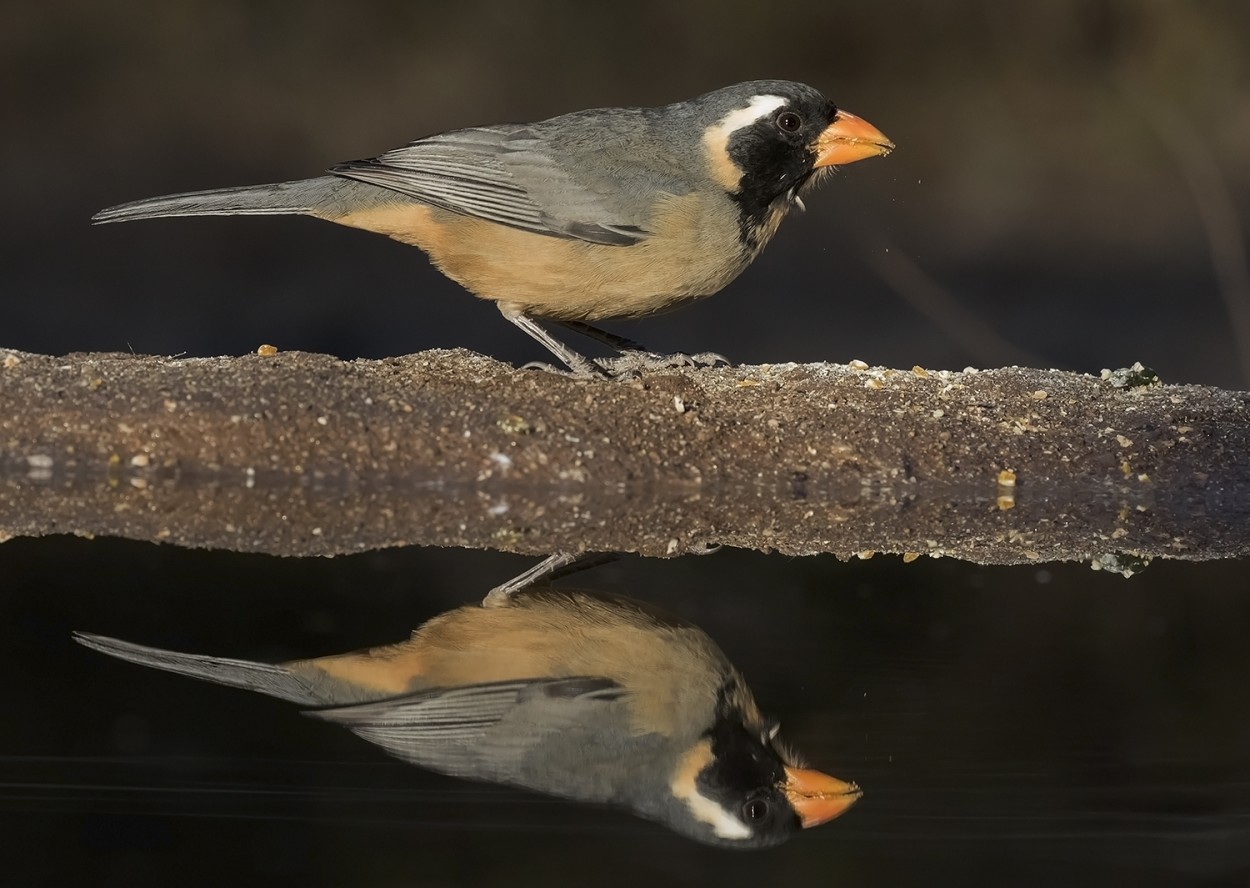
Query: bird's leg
pixel 578 363
pixel 612 340
pixel 636 357
pixel 633 359
pixel 501 594
pixel 561 564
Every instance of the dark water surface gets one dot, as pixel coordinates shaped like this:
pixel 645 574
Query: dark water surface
pixel 1016 726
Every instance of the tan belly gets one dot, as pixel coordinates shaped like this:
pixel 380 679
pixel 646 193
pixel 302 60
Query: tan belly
pixel 673 675
pixel 693 250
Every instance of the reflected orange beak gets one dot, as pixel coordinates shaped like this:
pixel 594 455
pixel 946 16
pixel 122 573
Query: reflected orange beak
pixel 817 797
pixel 848 139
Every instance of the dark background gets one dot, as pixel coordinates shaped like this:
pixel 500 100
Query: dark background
pixel 1070 190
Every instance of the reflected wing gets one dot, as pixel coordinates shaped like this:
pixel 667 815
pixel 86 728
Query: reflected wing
pixel 450 729
pixel 503 174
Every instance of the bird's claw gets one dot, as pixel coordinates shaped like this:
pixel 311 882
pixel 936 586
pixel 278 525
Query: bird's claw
pixel 593 370
pixel 636 362
pixel 632 364
pixel 545 367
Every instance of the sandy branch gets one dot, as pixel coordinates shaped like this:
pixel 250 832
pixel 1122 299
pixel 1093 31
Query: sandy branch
pixel 303 454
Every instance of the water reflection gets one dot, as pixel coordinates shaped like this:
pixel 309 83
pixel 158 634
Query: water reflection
pixel 587 697
pixel 1052 726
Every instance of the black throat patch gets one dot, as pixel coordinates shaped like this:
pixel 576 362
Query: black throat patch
pixel 774 167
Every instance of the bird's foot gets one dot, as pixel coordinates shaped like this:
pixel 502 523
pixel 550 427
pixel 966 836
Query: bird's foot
pixel 631 364
pixel 590 370
pixel 634 362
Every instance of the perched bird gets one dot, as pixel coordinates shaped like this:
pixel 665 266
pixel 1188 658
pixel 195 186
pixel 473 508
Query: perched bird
pixel 595 699
pixel 608 213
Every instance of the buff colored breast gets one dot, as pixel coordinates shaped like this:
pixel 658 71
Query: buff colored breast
pixel 693 251
pixel 671 673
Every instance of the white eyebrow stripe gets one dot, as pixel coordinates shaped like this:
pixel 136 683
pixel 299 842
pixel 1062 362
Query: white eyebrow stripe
pixel 684 785
pixel 724 824
pixel 743 117
pixel 716 139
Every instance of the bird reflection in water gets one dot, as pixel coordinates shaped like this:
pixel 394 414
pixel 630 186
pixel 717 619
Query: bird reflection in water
pixel 592 698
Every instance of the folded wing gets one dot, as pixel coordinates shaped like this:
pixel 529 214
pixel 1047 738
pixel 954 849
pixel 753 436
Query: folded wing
pixel 505 174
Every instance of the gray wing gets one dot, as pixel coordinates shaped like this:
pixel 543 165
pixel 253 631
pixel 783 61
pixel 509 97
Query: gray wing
pixel 487 731
pixel 512 175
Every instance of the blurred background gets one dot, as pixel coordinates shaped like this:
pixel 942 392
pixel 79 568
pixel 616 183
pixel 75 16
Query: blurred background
pixel 1071 189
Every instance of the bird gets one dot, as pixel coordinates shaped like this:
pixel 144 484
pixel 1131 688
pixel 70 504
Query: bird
pixel 588 697
pixel 588 216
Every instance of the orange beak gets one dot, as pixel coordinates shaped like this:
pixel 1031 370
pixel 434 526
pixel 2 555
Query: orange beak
pixel 817 797
pixel 848 139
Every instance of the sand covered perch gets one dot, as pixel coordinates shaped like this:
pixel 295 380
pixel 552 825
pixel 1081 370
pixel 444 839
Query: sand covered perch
pixel 304 454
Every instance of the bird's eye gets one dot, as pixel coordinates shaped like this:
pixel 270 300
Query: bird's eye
pixel 789 122
pixel 755 810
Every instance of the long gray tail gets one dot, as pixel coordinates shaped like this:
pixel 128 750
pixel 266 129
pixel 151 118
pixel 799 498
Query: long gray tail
pixel 301 197
pixel 265 678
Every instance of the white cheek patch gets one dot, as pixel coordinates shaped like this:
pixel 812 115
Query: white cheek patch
pixel 716 139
